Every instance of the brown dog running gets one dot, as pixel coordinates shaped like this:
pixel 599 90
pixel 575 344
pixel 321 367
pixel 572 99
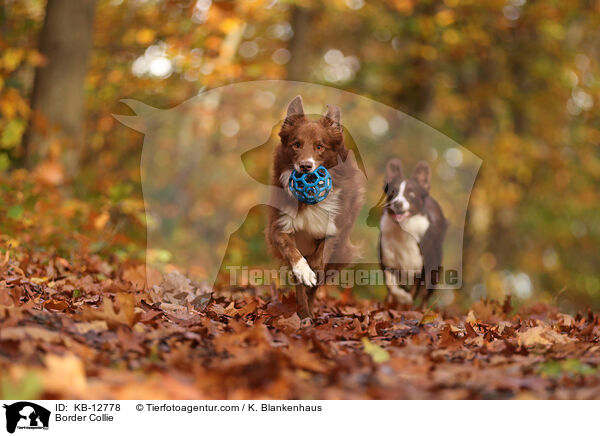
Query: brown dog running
pixel 313 239
pixel 413 227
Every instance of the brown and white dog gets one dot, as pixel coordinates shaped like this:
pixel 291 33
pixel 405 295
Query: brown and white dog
pixel 413 227
pixel 313 239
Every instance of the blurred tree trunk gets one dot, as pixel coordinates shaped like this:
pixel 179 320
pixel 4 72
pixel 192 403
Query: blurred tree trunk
pixel 58 90
pixel 298 67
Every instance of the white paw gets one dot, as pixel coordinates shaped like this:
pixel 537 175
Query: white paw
pixel 303 273
pixel 401 295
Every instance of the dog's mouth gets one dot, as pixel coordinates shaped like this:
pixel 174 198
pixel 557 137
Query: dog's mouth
pixel 399 217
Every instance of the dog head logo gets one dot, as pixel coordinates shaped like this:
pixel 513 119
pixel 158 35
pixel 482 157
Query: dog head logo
pixel 206 170
pixel 26 415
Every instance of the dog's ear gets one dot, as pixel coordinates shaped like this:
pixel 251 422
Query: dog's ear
pixel 295 110
pixel 332 117
pixel 393 169
pixel 422 174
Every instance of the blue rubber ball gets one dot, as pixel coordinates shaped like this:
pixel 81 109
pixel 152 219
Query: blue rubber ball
pixel 311 188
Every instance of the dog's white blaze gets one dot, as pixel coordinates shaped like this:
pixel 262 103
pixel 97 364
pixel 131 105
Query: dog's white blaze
pixel 400 198
pixel 302 271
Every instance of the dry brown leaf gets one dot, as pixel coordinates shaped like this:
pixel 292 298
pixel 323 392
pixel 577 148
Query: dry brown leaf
pixel 477 341
pixel 471 319
pixel 29 332
pixel 242 311
pixel 541 335
pixel 59 369
pixel 126 314
pixel 60 305
pixel 565 320
pixel 84 327
pixel 292 323
pixel 302 358
pixel 142 276
pixel 456 330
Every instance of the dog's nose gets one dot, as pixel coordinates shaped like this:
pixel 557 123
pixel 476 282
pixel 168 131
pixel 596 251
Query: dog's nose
pixel 398 208
pixel 305 166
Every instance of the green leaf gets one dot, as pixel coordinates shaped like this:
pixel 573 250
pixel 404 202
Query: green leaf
pixel 4 162
pixel 29 387
pixel 119 192
pixel 15 212
pixel 97 246
pixel 378 354
pixel 569 367
pixel 12 133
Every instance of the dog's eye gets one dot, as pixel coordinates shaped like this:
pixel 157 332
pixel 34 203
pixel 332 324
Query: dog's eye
pixel 296 145
pixel 319 146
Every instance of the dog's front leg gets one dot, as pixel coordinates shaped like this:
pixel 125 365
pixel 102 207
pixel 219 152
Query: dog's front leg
pixel 286 245
pixel 321 257
pixel 304 300
pixel 394 288
pixel 317 261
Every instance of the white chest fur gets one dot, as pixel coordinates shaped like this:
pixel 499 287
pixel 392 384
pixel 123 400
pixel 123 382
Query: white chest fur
pixel 317 219
pixel 400 242
pixel 416 225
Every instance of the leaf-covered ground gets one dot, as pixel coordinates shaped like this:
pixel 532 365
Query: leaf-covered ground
pixel 93 330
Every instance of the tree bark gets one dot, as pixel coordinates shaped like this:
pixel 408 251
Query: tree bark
pixel 299 66
pixel 58 90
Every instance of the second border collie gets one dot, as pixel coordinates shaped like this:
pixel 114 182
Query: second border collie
pixel 413 227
